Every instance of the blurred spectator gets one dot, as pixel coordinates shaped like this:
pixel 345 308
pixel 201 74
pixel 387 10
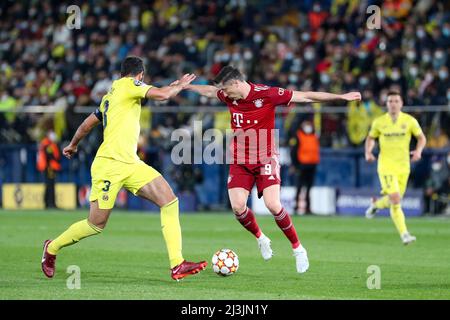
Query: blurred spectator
pixel 437 186
pixel 329 48
pixel 360 117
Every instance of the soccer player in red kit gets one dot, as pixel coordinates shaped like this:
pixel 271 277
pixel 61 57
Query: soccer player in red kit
pixel 252 108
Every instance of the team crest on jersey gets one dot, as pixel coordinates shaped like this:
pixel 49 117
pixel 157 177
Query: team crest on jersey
pixel 230 177
pixel 138 83
pixel 258 103
pixel 403 126
pixel 105 197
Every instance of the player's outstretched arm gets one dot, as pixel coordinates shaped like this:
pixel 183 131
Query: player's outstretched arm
pixel 369 145
pixel 90 122
pixel 167 92
pixel 313 96
pixel 204 90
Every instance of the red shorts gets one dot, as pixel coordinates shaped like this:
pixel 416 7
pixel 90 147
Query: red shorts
pixel 246 175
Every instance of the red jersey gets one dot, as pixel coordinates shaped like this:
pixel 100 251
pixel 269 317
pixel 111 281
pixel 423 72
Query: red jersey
pixel 253 123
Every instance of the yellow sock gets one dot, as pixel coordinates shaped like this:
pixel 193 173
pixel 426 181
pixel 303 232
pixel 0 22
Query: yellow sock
pixel 398 217
pixel 73 234
pixel 382 203
pixel 171 229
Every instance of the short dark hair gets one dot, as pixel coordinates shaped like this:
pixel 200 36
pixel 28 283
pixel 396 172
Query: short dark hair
pixel 131 66
pixel 394 93
pixel 228 73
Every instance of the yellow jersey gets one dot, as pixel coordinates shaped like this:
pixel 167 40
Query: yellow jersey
pixel 394 139
pixel 120 111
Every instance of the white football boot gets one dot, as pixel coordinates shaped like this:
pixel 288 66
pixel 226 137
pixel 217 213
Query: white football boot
pixel 264 247
pixel 372 210
pixel 301 259
pixel 407 238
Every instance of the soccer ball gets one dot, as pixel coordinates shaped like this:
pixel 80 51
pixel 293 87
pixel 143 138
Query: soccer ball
pixel 225 262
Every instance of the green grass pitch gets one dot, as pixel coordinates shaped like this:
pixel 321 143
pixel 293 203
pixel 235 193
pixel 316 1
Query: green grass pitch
pixel 129 260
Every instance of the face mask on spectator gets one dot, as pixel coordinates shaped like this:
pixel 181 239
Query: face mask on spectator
pixel 141 38
pixel 248 55
pixel 363 81
pixel 203 100
pixel 236 56
pixel 71 99
pixel 293 78
pixel 448 160
pixel 411 55
pixel 448 95
pixel 309 55
pixel 420 33
pixel 370 34
pixel 436 166
pixel 413 71
pixel 81 41
pixel 257 37
pixel 32 11
pixel 103 24
pixel 325 78
pixel 426 57
pixel 439 54
pixel 381 74
pixel 446 32
pixel 112 8
pixel 225 57
pixel 307 129
pixel 305 36
pixel 52 136
pixel 395 75
pixel 362 54
pixel 342 36
pixel 289 56
pixel 443 74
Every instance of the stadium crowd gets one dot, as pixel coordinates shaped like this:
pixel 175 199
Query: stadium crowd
pixel 307 45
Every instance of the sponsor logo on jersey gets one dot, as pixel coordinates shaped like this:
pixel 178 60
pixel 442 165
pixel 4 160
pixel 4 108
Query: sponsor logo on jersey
pixel 230 178
pixel 260 88
pixel 280 91
pixel 258 103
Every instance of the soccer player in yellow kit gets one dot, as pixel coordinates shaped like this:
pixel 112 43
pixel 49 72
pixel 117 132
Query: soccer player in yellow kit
pixel 117 165
pixel 393 131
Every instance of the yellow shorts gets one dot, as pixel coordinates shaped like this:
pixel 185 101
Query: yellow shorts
pixel 393 183
pixel 109 176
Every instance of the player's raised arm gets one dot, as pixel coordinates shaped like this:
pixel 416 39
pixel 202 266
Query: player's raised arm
pixel 204 90
pixel 90 122
pixel 312 96
pixel 167 92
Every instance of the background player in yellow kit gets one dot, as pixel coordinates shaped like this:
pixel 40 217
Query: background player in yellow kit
pixel 117 165
pixel 393 131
